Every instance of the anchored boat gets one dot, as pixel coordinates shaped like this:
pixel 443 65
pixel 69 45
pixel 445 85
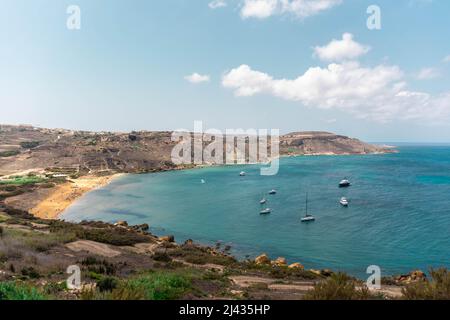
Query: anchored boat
pixel 344 183
pixel 344 202
pixel 308 217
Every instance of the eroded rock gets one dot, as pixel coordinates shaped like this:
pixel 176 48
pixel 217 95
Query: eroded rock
pixel 262 259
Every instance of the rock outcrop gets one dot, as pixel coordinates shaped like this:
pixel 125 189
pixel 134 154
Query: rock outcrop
pixel 167 239
pixel 262 260
pixel 413 276
pixel 280 262
pixel 297 266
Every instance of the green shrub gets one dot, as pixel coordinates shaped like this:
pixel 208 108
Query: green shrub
pixel 9 188
pixel 152 286
pixel 117 237
pixel 438 288
pixel 279 272
pixel 156 286
pixel 11 153
pixel 113 236
pixel 30 272
pixel 107 284
pixel 18 214
pixel 14 291
pixel 338 287
pixel 40 242
pixel 94 275
pixel 45 242
pixel 3 218
pixel 25 180
pixel 201 256
pixel 161 257
pixel 54 288
pixel 98 267
pixel 29 144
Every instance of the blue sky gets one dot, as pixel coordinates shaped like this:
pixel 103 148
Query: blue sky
pixel 258 65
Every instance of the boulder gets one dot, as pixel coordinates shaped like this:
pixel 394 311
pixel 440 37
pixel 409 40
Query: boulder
pixel 280 262
pixel 413 276
pixel 167 238
pixel 141 227
pixel 262 259
pixel 418 275
pixel 121 224
pixel 297 266
pixel 189 242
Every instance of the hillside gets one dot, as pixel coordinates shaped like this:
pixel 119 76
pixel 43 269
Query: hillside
pixel 311 143
pixel 28 148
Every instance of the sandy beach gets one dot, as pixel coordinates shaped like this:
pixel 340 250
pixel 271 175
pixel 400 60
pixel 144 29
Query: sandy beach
pixel 62 196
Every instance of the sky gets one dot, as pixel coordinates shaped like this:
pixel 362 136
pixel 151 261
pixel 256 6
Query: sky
pixel 292 65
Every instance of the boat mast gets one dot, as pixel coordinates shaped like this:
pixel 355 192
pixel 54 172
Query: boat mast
pixel 306 204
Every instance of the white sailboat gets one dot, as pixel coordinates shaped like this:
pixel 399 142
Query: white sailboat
pixel 308 217
pixel 266 210
pixel 263 201
pixel 242 174
pixel 344 183
pixel 344 202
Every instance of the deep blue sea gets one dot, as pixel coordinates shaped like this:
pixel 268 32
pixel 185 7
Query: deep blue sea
pixel 398 218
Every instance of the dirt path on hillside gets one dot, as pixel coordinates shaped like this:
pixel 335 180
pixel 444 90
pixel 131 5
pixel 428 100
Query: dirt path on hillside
pixel 93 247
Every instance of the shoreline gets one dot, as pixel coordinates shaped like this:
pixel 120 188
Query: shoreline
pixel 63 196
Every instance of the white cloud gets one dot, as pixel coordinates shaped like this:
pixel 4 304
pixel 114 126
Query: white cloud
pixel 339 50
pixel 447 59
pixel 259 8
pixel 427 74
pixel 217 4
pixel 339 85
pixel 197 78
pixel 300 8
pixel 377 93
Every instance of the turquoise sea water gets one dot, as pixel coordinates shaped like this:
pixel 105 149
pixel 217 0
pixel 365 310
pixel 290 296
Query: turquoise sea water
pixel 398 218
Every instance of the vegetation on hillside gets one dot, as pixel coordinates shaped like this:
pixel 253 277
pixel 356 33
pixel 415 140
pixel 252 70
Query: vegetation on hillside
pixel 340 287
pixel 10 153
pixel 23 180
pixel 438 288
pixel 17 291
